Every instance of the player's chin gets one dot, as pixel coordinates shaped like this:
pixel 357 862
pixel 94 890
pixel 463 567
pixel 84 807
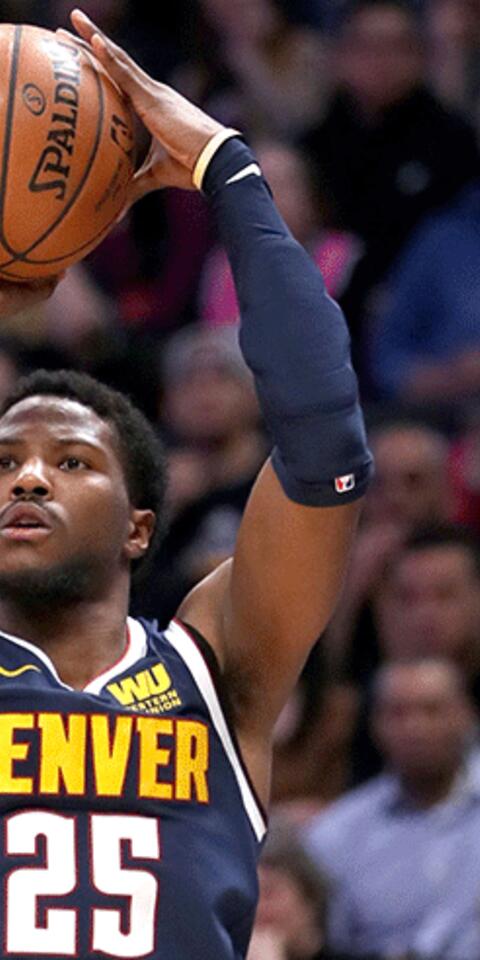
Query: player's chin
pixel 22 553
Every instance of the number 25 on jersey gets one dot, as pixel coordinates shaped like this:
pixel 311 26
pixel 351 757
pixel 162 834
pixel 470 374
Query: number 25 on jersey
pixel 41 929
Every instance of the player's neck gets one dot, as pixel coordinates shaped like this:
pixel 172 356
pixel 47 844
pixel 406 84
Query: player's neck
pixel 81 639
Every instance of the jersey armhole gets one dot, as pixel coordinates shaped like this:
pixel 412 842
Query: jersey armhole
pixel 213 665
pixel 210 659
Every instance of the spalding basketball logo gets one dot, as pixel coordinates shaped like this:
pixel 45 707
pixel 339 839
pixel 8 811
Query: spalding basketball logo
pixel 53 167
pixel 34 99
pixel 63 176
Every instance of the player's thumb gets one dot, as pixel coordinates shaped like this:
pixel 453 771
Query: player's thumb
pixel 158 171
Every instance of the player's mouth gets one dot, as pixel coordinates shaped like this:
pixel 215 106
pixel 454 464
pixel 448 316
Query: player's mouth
pixel 24 521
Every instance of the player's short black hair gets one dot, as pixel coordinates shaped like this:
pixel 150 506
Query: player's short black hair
pixel 445 535
pixel 140 450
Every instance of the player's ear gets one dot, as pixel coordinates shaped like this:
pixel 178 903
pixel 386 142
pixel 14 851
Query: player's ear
pixel 140 530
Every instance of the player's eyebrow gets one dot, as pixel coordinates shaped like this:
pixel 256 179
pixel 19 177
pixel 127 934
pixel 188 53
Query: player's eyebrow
pixel 11 439
pixel 17 440
pixel 76 441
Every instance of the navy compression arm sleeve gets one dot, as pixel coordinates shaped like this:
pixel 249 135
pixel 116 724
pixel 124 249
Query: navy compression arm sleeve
pixel 294 339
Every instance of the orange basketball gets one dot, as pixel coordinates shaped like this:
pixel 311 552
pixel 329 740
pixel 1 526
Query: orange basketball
pixel 66 152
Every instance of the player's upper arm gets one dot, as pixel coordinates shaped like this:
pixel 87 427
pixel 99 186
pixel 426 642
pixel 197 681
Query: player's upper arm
pixel 264 610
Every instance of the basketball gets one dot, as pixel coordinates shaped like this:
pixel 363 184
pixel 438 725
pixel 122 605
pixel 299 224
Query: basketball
pixel 66 152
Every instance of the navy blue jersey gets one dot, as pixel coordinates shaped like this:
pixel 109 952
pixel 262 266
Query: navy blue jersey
pixel 129 826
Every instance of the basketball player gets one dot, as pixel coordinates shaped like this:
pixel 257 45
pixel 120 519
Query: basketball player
pixel 135 761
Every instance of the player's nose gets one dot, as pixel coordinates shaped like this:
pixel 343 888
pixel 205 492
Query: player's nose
pixel 32 479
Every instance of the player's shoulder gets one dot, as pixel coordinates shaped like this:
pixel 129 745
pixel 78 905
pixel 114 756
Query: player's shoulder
pixel 19 659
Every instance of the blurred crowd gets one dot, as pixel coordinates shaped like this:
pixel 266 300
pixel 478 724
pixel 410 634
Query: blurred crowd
pixel 365 115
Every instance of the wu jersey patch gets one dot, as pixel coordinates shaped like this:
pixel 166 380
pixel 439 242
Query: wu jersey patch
pixel 149 691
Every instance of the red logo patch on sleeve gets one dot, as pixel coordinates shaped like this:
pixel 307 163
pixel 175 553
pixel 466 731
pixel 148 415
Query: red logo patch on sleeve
pixel 346 483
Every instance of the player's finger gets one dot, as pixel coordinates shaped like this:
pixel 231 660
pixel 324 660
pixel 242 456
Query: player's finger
pixel 83 25
pixel 134 83
pixel 157 172
pixel 109 52
pixel 72 38
pixel 137 86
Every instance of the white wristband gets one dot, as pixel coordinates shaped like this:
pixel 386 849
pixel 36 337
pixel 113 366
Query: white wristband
pixel 209 152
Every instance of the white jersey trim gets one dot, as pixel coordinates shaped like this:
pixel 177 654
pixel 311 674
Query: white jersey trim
pixel 195 663
pixel 135 650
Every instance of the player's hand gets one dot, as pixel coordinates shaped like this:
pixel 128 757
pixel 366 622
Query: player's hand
pixel 15 297
pixel 179 129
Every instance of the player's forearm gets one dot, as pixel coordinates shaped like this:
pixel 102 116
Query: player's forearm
pixel 294 338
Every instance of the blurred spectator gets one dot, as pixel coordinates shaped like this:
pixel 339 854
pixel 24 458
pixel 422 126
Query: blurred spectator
pixel 402 853
pixel 453 31
pixel 410 490
pixel 269 73
pixel 209 417
pixel 291 181
pixel 209 402
pixel 291 911
pixel 431 601
pixel 425 347
pixel 77 311
pixel 388 150
pixel 408 592
pixel 80 329
pixel 151 262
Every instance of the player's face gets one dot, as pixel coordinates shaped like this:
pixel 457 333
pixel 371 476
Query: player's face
pixel 63 496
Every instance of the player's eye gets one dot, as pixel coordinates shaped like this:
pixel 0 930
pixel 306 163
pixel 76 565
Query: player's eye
pixel 7 463
pixel 73 463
